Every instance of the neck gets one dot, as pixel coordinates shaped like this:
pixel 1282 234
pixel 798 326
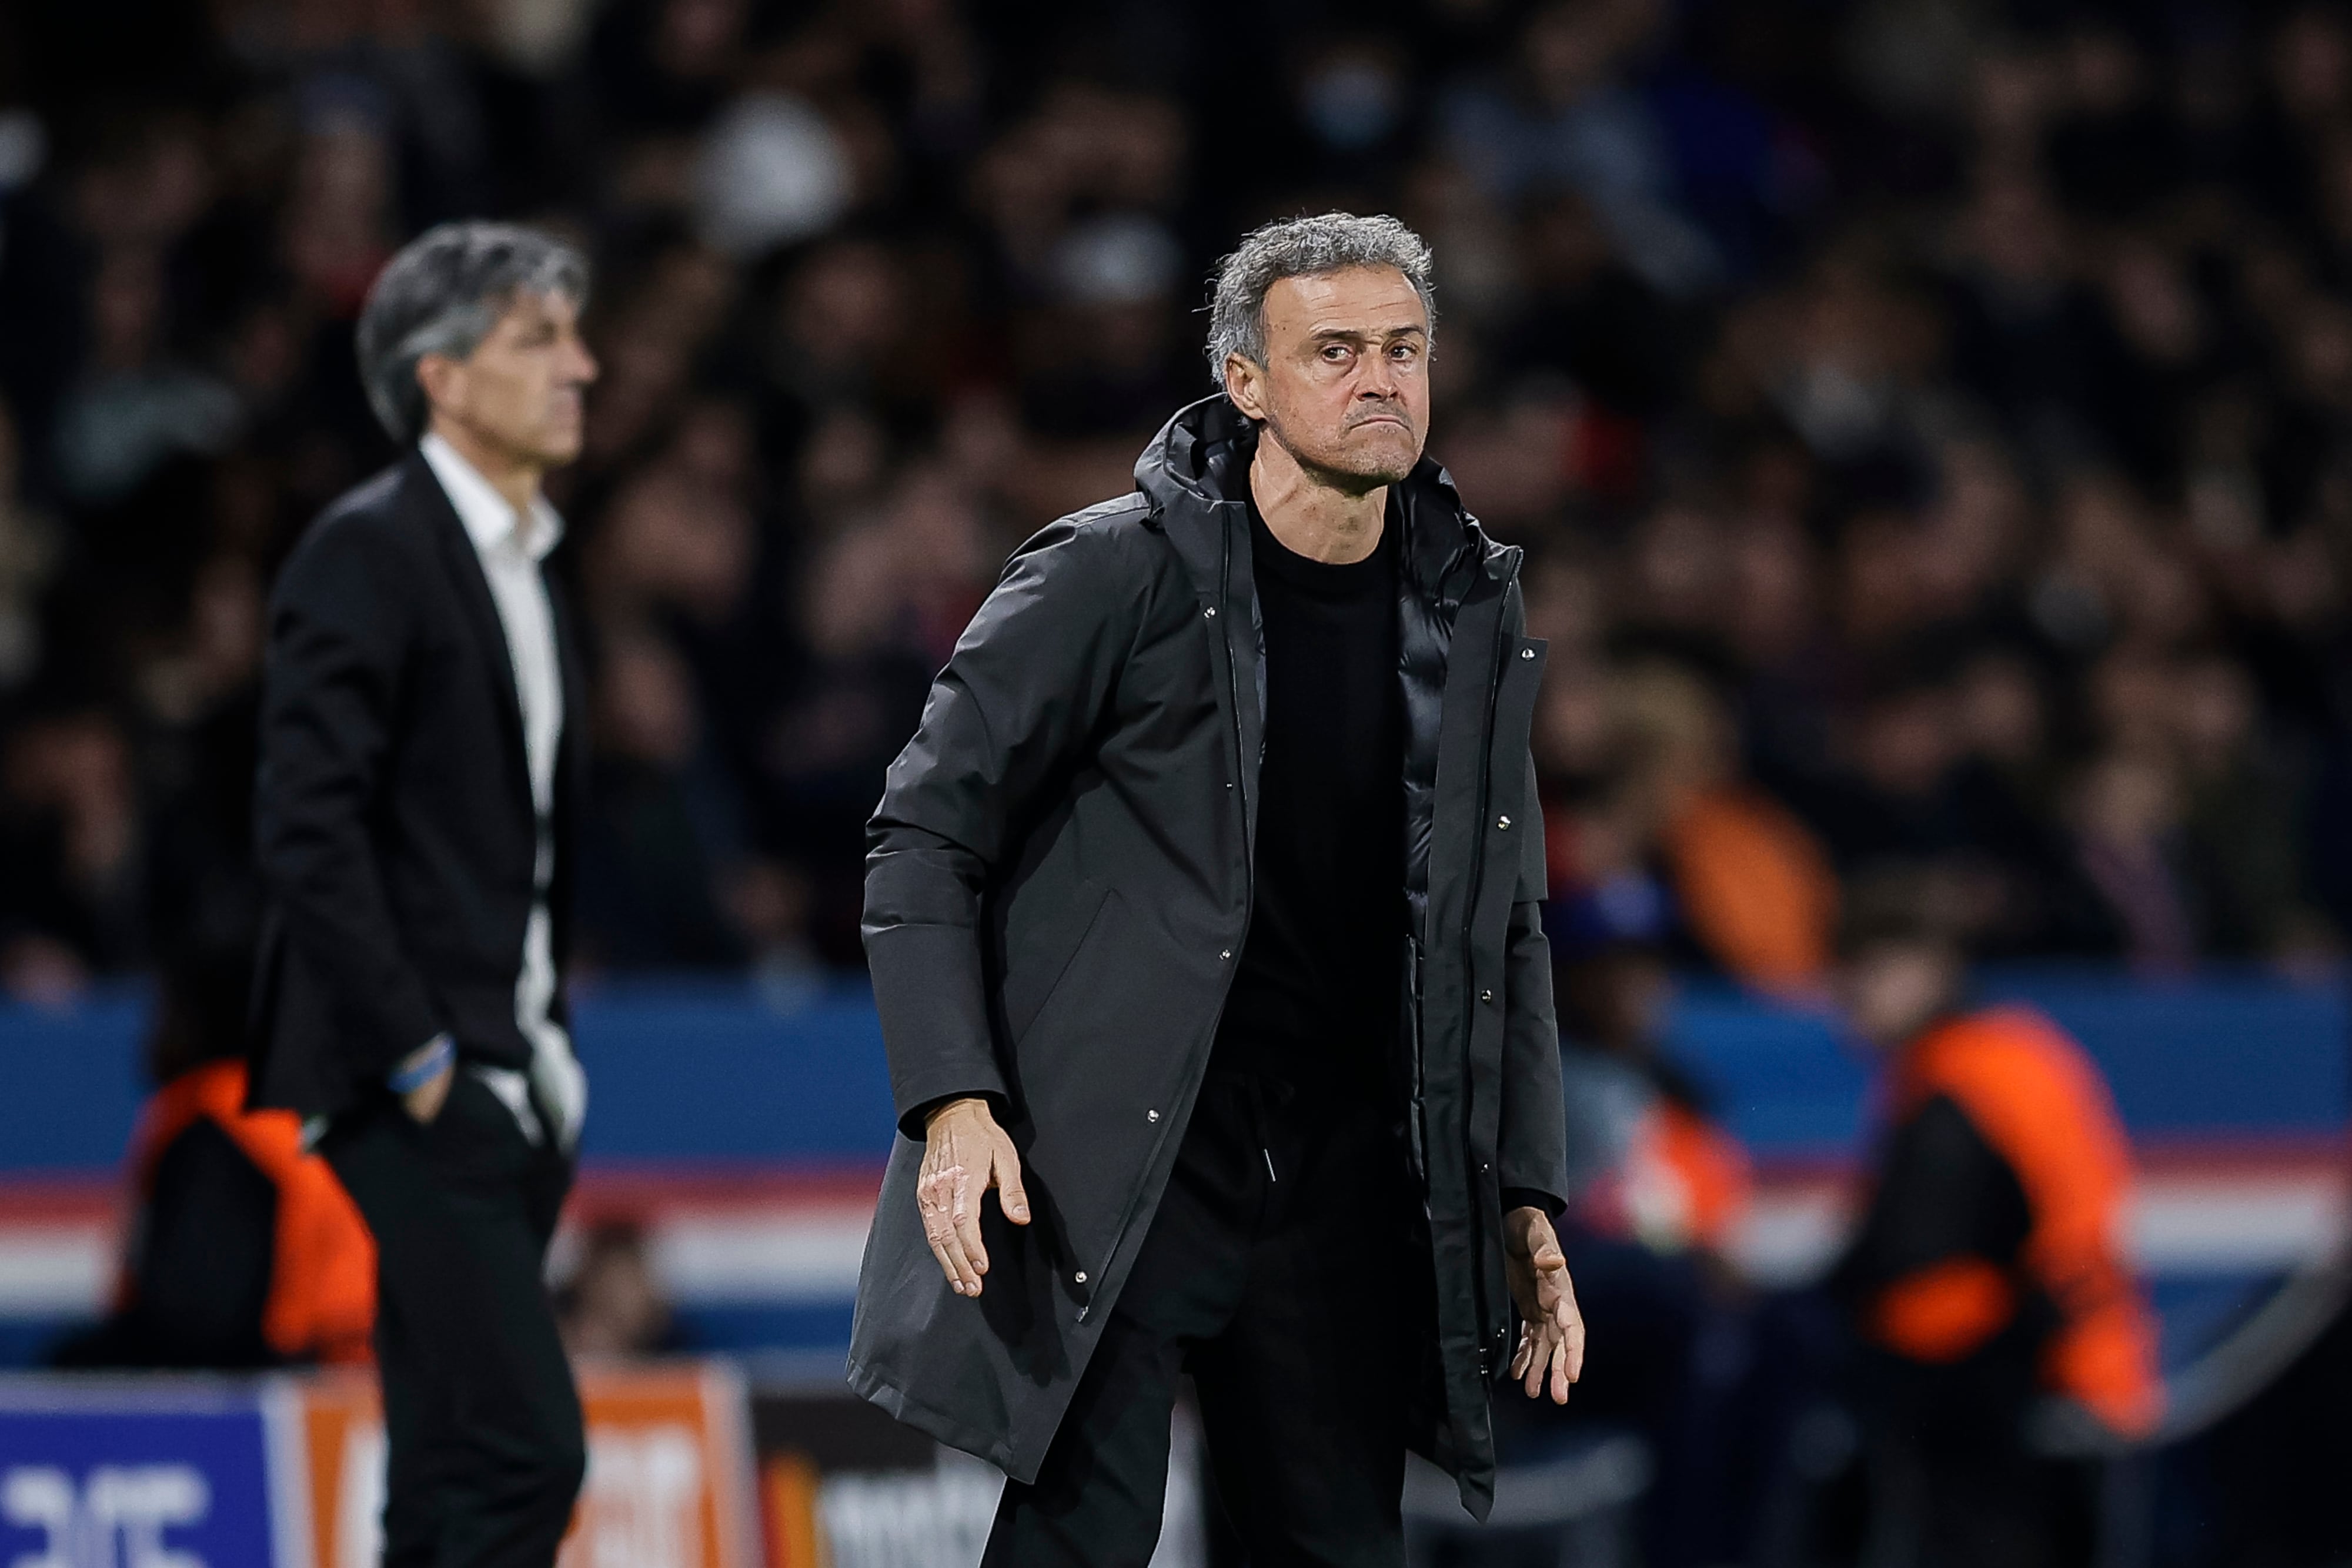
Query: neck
pixel 516 479
pixel 1315 515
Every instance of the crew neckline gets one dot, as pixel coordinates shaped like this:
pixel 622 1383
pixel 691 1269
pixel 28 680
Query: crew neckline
pixel 1328 579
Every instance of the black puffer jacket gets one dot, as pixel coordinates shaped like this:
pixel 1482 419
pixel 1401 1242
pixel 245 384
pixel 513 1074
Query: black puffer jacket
pixel 1058 890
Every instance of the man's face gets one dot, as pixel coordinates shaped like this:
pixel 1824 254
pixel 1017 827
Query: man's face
pixel 519 392
pixel 1345 386
pixel 1892 990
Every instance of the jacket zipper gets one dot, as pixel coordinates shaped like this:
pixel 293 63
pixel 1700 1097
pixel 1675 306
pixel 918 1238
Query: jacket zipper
pixel 1417 1108
pixel 1469 958
pixel 1249 878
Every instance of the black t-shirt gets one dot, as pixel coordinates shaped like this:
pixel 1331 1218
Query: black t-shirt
pixel 1317 989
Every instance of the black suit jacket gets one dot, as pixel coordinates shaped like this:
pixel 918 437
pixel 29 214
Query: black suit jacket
pixel 395 825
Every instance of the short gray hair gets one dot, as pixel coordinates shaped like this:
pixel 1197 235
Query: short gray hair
pixel 1303 247
pixel 442 295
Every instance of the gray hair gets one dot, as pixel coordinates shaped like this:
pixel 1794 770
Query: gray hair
pixel 1303 247
pixel 442 295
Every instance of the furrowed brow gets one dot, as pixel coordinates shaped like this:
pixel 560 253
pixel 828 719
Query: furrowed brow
pixel 1367 334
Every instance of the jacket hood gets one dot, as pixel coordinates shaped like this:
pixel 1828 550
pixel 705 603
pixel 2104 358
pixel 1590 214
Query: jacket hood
pixel 1200 462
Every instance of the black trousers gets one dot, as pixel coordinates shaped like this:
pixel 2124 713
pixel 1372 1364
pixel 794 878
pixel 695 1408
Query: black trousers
pixel 480 1414
pixel 1280 1274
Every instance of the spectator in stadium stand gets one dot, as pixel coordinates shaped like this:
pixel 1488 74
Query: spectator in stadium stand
pixel 242 1251
pixel 1204 916
pixel 1986 1279
pixel 1648 1162
pixel 613 1304
pixel 421 745
pixel 1659 1188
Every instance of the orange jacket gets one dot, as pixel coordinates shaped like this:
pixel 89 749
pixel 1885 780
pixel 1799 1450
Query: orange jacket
pixel 321 1304
pixel 1683 1183
pixel 1755 887
pixel 2032 1094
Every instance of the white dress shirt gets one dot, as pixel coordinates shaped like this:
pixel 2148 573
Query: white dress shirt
pixel 511 546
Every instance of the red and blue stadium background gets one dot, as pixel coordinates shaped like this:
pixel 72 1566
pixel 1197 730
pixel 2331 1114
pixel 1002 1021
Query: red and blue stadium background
pixel 747 1129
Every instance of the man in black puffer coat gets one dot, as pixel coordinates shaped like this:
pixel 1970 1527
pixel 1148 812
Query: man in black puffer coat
pixel 1202 911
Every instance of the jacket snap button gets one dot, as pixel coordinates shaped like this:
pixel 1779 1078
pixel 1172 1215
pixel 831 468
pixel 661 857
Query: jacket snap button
pixel 1152 1115
pixel 1080 1276
pixel 1211 611
pixel 1486 995
pixel 1226 954
pixel 1527 652
pixel 1504 824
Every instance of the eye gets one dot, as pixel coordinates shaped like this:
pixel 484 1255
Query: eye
pixel 1334 354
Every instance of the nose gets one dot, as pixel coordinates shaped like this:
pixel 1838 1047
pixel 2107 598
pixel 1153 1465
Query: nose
pixel 1377 381
pixel 584 367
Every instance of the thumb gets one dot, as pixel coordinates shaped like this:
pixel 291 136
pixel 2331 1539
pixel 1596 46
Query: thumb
pixel 1010 1193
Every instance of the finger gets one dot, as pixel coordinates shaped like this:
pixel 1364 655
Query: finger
pixel 1559 1376
pixel 942 1236
pixel 939 1229
pixel 965 1213
pixel 1570 1319
pixel 949 1247
pixel 1010 1193
pixel 1539 1358
pixel 1520 1356
pixel 948 1265
pixel 940 1205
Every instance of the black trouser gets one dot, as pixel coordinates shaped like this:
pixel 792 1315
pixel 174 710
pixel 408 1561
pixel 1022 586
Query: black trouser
pixel 1954 1481
pixel 479 1412
pixel 1278 1273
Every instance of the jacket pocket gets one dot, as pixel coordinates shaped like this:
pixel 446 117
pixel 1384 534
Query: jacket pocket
pixel 1034 972
pixel 1100 1072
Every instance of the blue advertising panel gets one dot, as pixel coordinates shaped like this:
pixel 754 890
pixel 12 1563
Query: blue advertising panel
pixel 100 1475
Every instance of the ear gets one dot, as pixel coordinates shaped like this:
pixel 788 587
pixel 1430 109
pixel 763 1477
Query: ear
pixel 441 378
pixel 1246 385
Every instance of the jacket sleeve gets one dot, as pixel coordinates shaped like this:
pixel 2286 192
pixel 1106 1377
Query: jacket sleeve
pixel 1531 1152
pixel 1931 1270
pixel 338 640
pixel 1016 705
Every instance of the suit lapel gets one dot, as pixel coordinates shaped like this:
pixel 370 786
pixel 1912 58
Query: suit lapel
pixel 430 504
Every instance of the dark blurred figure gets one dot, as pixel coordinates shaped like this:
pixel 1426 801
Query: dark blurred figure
pixel 1752 884
pixel 612 1305
pixel 70 891
pixel 1650 1164
pixel 1986 1279
pixel 1658 1191
pixel 657 827
pixel 244 1250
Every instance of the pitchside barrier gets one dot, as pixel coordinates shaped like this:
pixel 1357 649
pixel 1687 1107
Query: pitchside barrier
pixel 745 1128
pixel 288 1472
pixel 689 1466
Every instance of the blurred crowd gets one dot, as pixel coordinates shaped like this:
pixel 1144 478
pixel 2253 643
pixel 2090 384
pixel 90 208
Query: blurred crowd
pixel 1926 420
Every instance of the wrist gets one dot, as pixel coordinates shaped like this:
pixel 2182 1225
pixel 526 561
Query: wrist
pixel 423 1065
pixel 959 1102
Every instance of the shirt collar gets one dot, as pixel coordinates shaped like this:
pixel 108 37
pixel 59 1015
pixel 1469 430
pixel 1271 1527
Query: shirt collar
pixel 489 521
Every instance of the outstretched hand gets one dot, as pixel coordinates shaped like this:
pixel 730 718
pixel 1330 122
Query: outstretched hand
pixel 965 1153
pixel 1551 1330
